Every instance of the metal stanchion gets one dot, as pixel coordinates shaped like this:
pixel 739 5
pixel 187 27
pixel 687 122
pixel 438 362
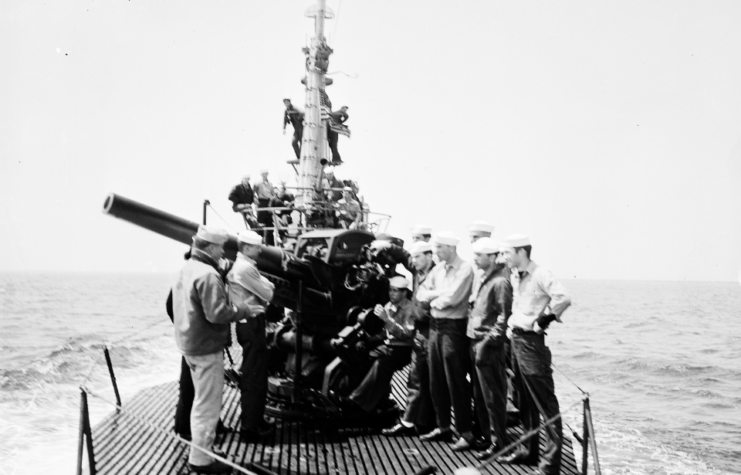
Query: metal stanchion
pixel 86 434
pixel 113 376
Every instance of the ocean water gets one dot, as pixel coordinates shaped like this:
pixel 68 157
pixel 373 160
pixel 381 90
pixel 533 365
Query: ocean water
pixel 660 360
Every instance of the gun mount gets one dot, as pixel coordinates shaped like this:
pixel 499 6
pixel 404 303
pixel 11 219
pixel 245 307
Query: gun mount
pixel 320 311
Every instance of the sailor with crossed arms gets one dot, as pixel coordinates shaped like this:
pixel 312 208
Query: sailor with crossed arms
pixel 538 300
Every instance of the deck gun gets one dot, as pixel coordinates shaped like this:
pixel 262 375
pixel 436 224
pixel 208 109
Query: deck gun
pixel 339 282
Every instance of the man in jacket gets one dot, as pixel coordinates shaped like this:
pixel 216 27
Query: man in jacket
pixel 247 286
pixel 487 328
pixel 202 315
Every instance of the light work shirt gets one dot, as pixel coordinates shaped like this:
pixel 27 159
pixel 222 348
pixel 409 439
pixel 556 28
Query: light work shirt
pixel 246 285
pixel 536 293
pixel 448 288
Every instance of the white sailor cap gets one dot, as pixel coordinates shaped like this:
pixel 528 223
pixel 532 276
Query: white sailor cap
pixel 516 240
pixel 421 229
pixel 264 170
pixel 446 237
pixel 399 282
pixel 482 226
pixel 347 188
pixel 485 245
pixel 212 234
pixel 420 247
pixel 328 171
pixel 249 237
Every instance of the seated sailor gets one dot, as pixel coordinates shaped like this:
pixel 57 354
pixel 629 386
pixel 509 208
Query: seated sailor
pixel 395 354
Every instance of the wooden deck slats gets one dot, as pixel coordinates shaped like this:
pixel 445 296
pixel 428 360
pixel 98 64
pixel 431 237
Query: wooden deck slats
pixel 123 445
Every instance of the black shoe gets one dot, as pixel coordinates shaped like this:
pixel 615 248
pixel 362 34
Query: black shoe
pixel 517 457
pixel 470 443
pixel 437 435
pixel 491 450
pixel 214 467
pixel 398 430
pixel 249 434
pixel 221 428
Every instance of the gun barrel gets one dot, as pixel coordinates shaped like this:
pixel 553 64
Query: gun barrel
pixel 272 260
pixel 153 219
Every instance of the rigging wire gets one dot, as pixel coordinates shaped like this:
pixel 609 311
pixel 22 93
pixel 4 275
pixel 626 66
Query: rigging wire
pixel 336 21
pixel 569 379
pixel 221 217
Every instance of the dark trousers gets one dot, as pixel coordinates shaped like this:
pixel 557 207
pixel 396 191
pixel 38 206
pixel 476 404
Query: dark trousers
pixel 489 379
pixel 449 363
pixel 265 218
pixel 376 386
pixel 419 410
pixel 185 400
pixel 254 382
pixel 332 138
pixel 298 132
pixel 532 361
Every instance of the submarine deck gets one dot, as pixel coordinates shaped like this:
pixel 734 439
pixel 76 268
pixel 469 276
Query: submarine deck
pixel 124 445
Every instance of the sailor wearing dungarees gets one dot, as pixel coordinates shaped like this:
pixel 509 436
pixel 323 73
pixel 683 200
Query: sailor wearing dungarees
pixel 247 285
pixel 539 299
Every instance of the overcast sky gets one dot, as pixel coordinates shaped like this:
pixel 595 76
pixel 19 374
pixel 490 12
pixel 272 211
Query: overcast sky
pixel 608 132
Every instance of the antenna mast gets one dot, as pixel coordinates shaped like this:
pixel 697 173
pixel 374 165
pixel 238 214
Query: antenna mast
pixel 314 149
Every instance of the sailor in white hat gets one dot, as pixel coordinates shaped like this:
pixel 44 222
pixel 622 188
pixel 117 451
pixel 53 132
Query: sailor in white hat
pixel 539 299
pixel 479 229
pixel 396 353
pixel 487 329
pixel 248 286
pixel 421 232
pixel 419 415
pixel 264 192
pixel 201 316
pixel 447 289
pixel 348 210
pixel 332 185
pixel 242 196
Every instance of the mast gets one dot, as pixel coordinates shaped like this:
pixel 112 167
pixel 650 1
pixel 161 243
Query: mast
pixel 314 148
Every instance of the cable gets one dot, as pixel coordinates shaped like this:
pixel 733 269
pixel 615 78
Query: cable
pixel 224 220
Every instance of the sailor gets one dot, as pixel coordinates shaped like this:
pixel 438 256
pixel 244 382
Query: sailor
pixel 487 327
pixel 337 117
pixel 447 289
pixel 294 117
pixel 202 315
pixel 242 197
pixel 419 415
pixel 264 192
pixel 246 285
pixel 539 299
pixel 348 210
pixel 421 233
pixel 479 229
pixel 396 352
pixel 332 185
pixel 282 199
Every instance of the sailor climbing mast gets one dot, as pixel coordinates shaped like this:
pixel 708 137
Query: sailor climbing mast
pixel 314 150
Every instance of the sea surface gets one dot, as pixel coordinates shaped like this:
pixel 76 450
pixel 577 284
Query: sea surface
pixel 660 360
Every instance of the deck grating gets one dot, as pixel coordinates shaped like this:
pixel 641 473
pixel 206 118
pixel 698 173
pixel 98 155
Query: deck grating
pixel 124 445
